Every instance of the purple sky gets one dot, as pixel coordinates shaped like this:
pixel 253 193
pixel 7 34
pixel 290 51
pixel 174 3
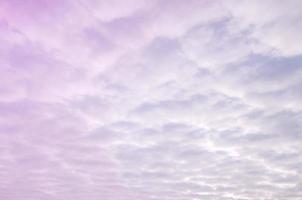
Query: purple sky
pixel 150 100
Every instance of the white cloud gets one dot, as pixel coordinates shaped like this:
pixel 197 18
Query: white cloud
pixel 168 100
pixel 274 23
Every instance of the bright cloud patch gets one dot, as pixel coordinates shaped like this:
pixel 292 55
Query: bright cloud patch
pixel 150 100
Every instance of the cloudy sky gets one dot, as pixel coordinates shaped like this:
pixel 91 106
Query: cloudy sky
pixel 150 99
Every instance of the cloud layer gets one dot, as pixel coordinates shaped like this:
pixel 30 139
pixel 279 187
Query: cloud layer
pixel 150 100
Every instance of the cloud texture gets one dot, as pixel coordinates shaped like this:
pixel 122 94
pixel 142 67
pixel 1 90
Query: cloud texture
pixel 150 100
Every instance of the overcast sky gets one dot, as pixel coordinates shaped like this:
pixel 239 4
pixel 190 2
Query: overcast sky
pixel 150 99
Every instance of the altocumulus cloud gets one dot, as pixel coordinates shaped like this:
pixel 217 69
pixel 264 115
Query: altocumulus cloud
pixel 150 100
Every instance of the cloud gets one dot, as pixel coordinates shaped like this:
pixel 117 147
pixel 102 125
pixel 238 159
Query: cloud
pixel 161 100
pixel 275 28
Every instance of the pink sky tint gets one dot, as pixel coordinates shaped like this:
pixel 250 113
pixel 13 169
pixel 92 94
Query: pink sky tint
pixel 150 100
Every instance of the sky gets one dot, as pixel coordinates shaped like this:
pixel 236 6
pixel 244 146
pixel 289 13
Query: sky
pixel 150 99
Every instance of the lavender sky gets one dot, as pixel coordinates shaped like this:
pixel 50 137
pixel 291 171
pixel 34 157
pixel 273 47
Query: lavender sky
pixel 151 99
